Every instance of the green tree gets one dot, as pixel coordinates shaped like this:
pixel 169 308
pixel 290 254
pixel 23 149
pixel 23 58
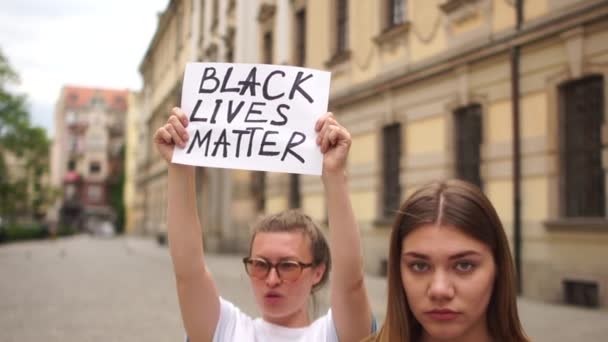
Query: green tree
pixel 27 195
pixel 117 186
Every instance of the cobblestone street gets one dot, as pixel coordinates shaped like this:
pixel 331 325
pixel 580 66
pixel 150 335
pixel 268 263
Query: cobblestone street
pixel 85 289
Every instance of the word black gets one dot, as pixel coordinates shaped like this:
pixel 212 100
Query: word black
pixel 210 83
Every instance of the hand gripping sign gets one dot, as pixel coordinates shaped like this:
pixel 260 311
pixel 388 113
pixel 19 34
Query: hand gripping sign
pixel 253 116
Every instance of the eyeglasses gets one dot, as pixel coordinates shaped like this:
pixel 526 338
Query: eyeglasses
pixel 287 270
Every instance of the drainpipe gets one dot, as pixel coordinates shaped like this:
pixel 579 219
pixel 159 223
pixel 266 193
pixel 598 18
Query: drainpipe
pixel 515 89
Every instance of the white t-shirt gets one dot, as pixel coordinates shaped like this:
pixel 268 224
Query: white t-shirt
pixel 234 325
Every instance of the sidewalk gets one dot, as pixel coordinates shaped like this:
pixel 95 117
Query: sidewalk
pixel 123 290
pixel 542 321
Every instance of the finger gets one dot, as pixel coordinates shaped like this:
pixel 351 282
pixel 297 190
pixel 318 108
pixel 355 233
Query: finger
pixel 326 143
pixel 176 137
pixel 321 120
pixel 341 135
pixel 319 123
pixel 181 115
pixel 329 122
pixel 179 127
pixel 322 133
pixel 334 135
pixel 163 137
pixel 319 130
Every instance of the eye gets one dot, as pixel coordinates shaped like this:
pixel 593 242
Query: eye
pixel 288 266
pixel 259 264
pixel 464 266
pixel 419 266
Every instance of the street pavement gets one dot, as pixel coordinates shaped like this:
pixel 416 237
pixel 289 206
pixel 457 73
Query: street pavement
pixel 122 289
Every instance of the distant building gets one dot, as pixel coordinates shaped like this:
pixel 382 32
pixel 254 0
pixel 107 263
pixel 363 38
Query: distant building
pixel 86 156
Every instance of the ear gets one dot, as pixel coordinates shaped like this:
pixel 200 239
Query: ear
pixel 317 274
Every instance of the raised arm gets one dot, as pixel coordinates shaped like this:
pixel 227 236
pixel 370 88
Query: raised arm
pixel 198 296
pixel 349 302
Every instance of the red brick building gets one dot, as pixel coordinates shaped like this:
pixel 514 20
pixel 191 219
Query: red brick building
pixel 86 154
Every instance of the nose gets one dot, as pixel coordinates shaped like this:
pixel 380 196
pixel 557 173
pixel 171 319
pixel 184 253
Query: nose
pixel 441 287
pixel 272 279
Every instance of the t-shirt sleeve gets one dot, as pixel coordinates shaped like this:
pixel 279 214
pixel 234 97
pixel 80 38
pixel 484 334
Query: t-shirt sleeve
pixel 227 323
pixel 332 333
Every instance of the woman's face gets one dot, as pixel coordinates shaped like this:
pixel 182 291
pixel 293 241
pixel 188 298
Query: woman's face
pixel 281 301
pixel 448 278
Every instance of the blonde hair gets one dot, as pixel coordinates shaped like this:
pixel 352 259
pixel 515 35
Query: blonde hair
pixel 294 220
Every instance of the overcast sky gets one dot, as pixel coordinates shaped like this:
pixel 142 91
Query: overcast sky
pixel 50 43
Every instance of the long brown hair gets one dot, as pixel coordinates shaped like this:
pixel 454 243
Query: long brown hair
pixel 462 205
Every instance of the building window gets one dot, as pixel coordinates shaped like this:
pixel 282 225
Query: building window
pixel 268 48
pixel 94 168
pixel 201 20
pixel 97 101
pixel 467 122
pixel 230 45
pixel 231 6
pixel 295 199
pixel 73 99
pixel 179 30
pixel 94 193
pixel 391 145
pixel 341 26
pixel 215 13
pixel 258 189
pixel 71 165
pixel 582 182
pixel 300 45
pixel 395 13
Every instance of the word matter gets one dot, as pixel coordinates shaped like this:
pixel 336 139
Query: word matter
pixel 239 143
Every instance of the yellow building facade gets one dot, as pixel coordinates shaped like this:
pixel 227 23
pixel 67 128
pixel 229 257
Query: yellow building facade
pixel 425 88
pixel 132 202
pixel 187 31
pixel 162 70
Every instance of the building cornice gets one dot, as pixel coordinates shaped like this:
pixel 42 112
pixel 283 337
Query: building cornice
pixel 546 27
pixel 450 6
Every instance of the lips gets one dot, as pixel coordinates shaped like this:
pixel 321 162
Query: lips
pixel 443 314
pixel 273 297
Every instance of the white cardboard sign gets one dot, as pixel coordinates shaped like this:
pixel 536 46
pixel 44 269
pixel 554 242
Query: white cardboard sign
pixel 253 116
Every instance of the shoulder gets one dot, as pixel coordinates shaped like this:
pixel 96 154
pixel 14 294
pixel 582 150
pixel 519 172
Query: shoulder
pixel 322 330
pixel 325 325
pixel 232 323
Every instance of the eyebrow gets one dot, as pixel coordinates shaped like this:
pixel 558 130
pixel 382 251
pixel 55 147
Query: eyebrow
pixel 287 258
pixel 452 257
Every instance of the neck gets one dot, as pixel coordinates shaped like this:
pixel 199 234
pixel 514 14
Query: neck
pixel 296 319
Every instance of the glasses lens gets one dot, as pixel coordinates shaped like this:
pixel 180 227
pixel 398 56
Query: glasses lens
pixel 289 270
pixel 257 268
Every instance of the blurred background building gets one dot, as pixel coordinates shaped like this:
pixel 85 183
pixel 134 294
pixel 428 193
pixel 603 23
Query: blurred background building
pixel 87 156
pixel 509 95
pixel 132 202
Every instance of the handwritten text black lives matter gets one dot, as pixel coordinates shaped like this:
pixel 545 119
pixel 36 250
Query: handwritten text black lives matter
pixel 260 119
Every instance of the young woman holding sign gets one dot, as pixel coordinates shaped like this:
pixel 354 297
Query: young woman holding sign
pixel 450 272
pixel 289 257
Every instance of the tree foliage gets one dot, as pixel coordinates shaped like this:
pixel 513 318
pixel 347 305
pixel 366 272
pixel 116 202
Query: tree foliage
pixel 24 193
